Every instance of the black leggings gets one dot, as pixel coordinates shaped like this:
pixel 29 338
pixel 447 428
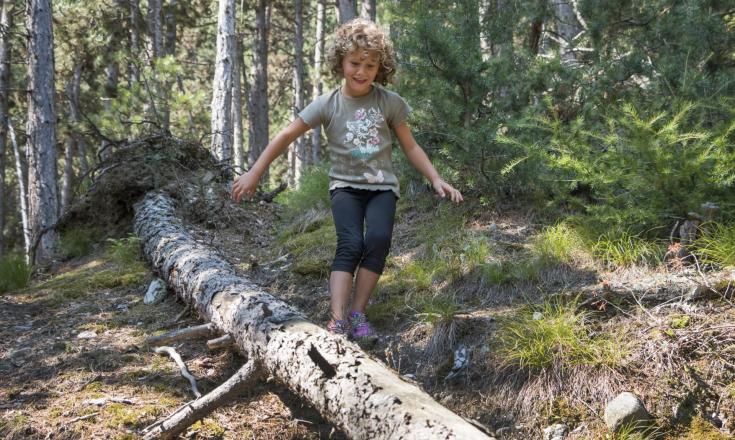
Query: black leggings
pixel 350 208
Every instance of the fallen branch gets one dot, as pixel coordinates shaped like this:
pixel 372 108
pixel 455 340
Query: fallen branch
pixel 182 366
pixel 185 416
pixel 185 333
pixel 223 341
pixel 357 394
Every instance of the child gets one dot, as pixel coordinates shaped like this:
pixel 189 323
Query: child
pixel 357 118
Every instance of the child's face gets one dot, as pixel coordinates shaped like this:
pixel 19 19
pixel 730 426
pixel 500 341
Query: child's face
pixel 359 68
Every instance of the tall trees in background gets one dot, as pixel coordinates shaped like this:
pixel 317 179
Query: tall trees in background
pixel 221 108
pixel 297 152
pixel 347 10
pixel 316 140
pixel 41 129
pixel 258 99
pixel 5 25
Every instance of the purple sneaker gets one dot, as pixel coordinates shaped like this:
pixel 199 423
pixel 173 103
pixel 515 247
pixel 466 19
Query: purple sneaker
pixel 362 331
pixel 339 327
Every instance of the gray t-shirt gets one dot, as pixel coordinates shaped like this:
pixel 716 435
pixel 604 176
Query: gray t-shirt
pixel 358 132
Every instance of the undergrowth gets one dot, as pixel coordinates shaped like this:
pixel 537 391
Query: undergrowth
pixel 553 334
pixel 14 273
pixel 717 245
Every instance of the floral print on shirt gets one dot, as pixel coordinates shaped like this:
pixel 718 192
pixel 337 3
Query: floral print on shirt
pixel 362 133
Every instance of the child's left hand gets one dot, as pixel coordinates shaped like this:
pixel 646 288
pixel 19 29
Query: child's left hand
pixel 443 189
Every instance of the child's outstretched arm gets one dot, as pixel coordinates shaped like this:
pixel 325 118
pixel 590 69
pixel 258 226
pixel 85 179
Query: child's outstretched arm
pixel 246 184
pixel 421 162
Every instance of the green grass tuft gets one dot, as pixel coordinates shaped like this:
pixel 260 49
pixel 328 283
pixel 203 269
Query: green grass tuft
pixel 621 248
pixel 14 273
pixel 717 245
pixel 559 244
pixel 553 334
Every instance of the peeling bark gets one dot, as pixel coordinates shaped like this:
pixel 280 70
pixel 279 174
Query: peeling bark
pixel 356 393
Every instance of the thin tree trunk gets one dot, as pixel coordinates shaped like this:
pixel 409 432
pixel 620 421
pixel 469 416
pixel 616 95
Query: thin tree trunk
pixel 79 140
pixel 134 19
pixel 222 84
pixel 112 76
pixel 347 10
pixel 316 134
pixel 67 175
pixel 237 133
pixel 296 151
pixel 43 193
pixel 155 28
pixel 6 22
pixel 368 9
pixel 258 102
pixel 170 43
pixel 351 390
pixel 567 29
pixel 21 172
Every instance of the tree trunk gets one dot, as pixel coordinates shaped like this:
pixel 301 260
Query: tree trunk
pixel 79 140
pixel 221 145
pixel 21 172
pixel 368 9
pixel 155 28
pixel 359 395
pixel 237 134
pixel 170 43
pixel 6 22
pixel 134 19
pixel 43 198
pixel 567 29
pixel 258 102
pixel 316 133
pixel 67 175
pixel 112 76
pixel 347 10
pixel 296 150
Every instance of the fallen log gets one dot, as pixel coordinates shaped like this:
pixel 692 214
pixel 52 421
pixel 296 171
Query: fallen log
pixel 354 392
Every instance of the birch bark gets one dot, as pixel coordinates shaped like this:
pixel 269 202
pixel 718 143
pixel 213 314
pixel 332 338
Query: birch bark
pixel 359 395
pixel 237 133
pixel 22 173
pixel 6 17
pixel 221 145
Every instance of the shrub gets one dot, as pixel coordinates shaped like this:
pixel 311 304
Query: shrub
pixel 311 193
pixel 77 242
pixel 124 251
pixel 14 273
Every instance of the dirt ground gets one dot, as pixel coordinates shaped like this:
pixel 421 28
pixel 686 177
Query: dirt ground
pixel 75 364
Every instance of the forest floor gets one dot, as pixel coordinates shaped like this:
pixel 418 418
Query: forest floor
pixel 75 363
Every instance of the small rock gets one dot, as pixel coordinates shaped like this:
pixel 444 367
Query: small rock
pixel 556 431
pixel 625 409
pixel 461 361
pixel 538 316
pixel 122 307
pixel 156 292
pixel 96 402
pixel 88 334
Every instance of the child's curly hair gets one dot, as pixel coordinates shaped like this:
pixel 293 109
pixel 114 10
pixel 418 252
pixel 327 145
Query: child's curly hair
pixel 362 34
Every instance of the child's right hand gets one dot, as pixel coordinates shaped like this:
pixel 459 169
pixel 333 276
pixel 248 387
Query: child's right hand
pixel 245 186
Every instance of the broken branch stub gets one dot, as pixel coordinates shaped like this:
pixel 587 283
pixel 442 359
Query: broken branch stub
pixel 359 395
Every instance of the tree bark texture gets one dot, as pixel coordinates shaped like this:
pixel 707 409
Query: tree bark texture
pixel 368 9
pixel 222 84
pixel 21 172
pixel 316 132
pixel 73 96
pixel 134 19
pixel 237 133
pixel 347 10
pixel 351 390
pixel 297 153
pixel 41 128
pixel 258 102
pixel 6 18
pixel 155 28
pixel 567 29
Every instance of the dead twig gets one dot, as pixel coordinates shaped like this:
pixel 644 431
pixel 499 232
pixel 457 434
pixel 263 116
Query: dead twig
pixel 182 366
